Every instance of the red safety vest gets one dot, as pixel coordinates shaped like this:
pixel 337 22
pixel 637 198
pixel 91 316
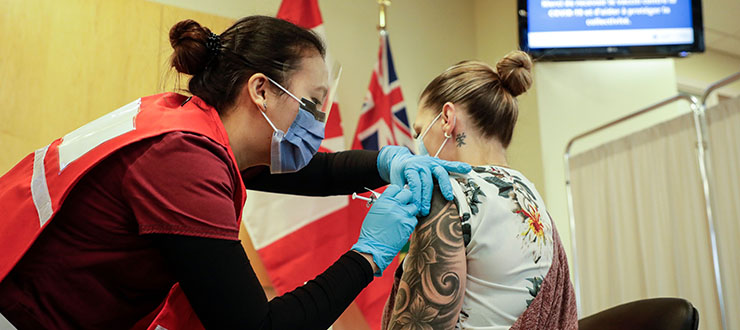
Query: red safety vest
pixel 34 190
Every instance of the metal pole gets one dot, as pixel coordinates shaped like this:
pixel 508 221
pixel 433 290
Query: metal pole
pixel 705 168
pixel 702 147
pixel 572 219
pixel 724 82
pixel 381 17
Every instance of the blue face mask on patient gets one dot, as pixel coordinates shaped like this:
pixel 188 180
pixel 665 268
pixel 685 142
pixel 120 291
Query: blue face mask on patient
pixel 292 150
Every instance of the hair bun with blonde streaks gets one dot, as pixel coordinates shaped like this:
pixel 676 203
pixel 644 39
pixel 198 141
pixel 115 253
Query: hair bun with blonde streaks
pixel 515 72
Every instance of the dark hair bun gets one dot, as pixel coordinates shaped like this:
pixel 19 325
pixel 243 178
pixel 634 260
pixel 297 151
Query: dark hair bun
pixel 188 39
pixel 515 72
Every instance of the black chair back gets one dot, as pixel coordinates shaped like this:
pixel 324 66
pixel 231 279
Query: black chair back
pixel 648 314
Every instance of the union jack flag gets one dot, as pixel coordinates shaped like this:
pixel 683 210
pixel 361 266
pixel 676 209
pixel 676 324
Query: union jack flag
pixel 383 120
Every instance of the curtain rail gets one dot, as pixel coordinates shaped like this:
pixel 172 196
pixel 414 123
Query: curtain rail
pixel 721 83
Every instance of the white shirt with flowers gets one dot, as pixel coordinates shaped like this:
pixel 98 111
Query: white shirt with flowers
pixel 509 245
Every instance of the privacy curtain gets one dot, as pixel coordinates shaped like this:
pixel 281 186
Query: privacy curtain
pixel 640 216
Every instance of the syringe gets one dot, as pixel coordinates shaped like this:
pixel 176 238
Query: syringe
pixel 367 199
pixel 370 200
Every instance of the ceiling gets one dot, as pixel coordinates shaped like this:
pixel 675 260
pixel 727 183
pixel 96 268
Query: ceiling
pixel 722 25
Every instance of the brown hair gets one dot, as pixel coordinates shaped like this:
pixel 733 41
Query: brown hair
pixel 489 94
pixel 253 44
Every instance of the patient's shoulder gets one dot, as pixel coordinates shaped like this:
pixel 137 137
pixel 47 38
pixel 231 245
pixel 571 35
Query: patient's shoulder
pixel 433 278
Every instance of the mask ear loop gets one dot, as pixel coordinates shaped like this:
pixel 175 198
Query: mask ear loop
pixel 423 134
pixel 447 137
pixel 269 121
pixel 285 90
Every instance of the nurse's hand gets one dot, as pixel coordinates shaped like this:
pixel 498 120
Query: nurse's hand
pixel 398 166
pixel 387 226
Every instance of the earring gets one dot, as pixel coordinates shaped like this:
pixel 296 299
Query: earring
pixel 447 135
pixel 264 105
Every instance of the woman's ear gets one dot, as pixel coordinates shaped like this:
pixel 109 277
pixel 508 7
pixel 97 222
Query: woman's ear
pixel 256 89
pixel 449 117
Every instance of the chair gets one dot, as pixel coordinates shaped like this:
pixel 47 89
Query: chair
pixel 653 314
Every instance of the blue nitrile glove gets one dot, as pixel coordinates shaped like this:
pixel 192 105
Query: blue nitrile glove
pixel 398 166
pixel 387 226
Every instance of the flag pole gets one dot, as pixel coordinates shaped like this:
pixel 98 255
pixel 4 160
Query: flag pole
pixel 383 6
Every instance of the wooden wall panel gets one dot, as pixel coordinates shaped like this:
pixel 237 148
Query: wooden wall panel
pixel 66 62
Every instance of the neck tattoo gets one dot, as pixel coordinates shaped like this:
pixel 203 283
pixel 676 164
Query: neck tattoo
pixel 460 139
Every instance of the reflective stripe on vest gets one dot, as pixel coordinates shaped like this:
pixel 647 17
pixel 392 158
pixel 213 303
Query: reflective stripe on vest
pixel 35 188
pixel 39 189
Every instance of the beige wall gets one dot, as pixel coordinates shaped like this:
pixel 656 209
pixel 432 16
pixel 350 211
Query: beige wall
pixel 100 60
pixel 567 98
pixel 427 36
pixel 698 71
pixel 66 64
pixel 495 35
pixel 570 98
pixel 574 97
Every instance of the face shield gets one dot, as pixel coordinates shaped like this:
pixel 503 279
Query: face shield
pixel 321 114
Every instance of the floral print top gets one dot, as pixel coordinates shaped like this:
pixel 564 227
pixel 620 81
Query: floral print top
pixel 508 239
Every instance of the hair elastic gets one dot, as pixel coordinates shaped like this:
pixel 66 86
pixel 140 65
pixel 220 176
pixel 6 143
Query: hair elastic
pixel 213 43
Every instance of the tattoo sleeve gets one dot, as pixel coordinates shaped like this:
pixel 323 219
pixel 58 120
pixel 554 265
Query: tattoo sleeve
pixel 430 292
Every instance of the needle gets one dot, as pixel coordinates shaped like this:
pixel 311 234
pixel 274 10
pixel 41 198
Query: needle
pixel 376 194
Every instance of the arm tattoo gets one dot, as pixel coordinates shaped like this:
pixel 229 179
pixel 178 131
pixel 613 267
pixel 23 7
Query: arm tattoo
pixel 430 293
pixel 460 139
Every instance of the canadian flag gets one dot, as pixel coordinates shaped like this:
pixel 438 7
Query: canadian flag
pixel 298 237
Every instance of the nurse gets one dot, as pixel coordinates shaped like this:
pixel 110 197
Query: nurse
pixel 99 225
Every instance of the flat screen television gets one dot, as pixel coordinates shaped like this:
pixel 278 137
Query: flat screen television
pixel 597 29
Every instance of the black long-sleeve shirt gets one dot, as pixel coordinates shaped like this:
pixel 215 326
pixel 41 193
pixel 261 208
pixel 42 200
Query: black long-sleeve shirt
pixel 225 292
pixel 339 173
pixel 160 211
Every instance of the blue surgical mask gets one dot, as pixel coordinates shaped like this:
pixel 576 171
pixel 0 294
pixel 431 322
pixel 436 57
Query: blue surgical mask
pixel 420 140
pixel 291 151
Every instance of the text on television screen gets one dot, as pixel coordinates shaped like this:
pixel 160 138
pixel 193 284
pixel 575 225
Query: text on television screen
pixel 603 23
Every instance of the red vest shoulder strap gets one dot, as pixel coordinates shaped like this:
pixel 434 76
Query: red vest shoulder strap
pixel 33 191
